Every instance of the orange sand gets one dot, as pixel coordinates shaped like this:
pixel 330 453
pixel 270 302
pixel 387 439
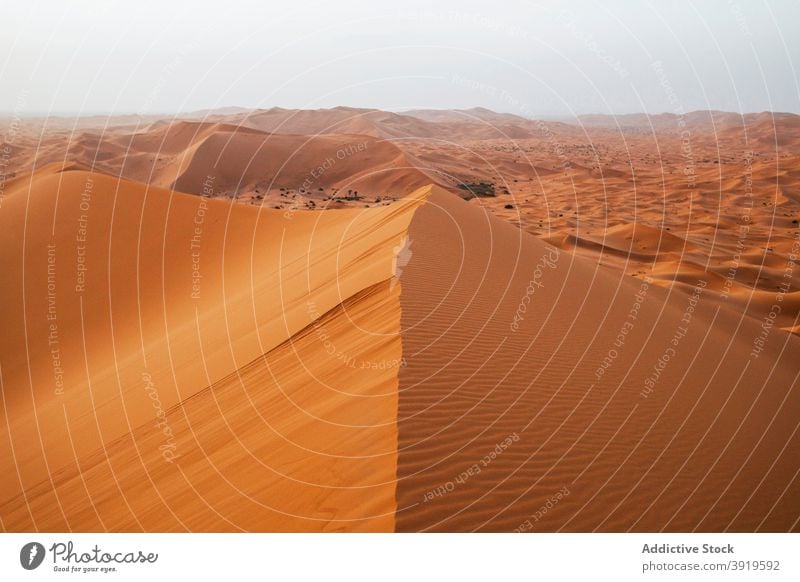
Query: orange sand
pixel 602 336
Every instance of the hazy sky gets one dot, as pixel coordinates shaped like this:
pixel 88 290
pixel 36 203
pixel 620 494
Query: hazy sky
pixel 529 58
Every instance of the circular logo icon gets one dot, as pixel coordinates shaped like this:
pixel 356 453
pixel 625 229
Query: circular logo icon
pixel 31 555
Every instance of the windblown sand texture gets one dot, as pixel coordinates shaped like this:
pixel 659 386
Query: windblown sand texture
pixel 357 320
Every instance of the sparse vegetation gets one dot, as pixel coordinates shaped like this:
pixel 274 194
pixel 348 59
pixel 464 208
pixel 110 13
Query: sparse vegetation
pixel 478 189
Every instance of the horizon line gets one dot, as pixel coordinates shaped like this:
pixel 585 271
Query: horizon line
pixel 543 116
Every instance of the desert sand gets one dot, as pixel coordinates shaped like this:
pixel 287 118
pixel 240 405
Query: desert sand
pixel 357 320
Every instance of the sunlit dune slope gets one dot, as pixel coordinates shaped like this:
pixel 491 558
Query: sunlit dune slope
pixel 124 302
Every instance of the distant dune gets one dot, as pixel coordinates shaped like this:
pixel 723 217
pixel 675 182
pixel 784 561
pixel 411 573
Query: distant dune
pixel 231 160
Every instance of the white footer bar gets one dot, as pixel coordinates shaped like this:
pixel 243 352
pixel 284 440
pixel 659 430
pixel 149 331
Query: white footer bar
pixel 406 557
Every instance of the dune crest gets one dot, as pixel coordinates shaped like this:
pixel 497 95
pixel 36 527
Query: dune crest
pixel 350 319
pixel 544 393
pixel 196 330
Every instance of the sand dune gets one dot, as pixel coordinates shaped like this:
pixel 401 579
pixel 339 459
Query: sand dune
pixel 512 394
pixel 315 167
pixel 453 126
pixel 288 171
pixel 338 120
pixel 179 293
pixel 440 115
pixel 590 327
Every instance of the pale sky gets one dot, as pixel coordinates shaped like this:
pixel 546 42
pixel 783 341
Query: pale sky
pixel 528 58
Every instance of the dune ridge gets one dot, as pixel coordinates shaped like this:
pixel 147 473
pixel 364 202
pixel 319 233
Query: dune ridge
pixel 515 394
pixel 268 320
pixel 139 333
